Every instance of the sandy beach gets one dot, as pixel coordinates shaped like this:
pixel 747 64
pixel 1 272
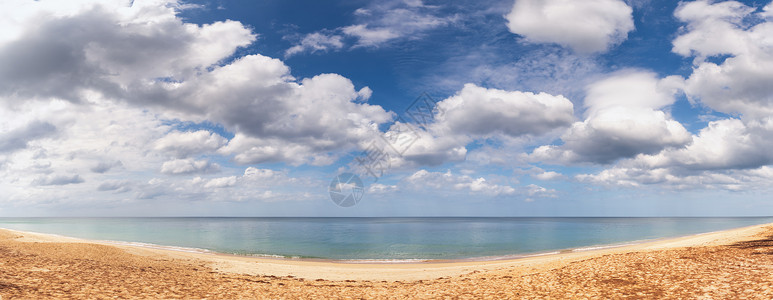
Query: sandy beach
pixel 736 263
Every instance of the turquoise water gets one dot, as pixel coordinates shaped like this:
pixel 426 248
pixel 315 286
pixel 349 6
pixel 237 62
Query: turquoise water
pixel 378 238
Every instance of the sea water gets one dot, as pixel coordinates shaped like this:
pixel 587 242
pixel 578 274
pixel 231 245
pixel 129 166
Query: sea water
pixel 380 239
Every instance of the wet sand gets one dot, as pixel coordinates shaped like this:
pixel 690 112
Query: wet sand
pixel 735 263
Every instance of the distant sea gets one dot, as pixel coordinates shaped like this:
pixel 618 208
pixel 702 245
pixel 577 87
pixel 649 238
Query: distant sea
pixel 380 239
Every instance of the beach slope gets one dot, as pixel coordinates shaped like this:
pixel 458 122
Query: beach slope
pixel 736 263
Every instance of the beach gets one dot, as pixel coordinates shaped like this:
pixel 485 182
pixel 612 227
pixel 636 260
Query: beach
pixel 736 263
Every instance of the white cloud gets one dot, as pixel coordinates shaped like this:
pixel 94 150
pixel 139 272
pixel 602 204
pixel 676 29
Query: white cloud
pixel 315 42
pixel 731 180
pixel 98 142
pixel 19 138
pixel 726 144
pixel 741 83
pixel 630 89
pixel 183 144
pixel 727 154
pixel 254 184
pixel 396 19
pixel 58 179
pixel 482 112
pixel 98 88
pixel 730 43
pixel 260 173
pixel 221 182
pixel 378 24
pixel 378 188
pixel 257 98
pixel 117 186
pixel 104 166
pixel 622 120
pixel 712 28
pixel 369 36
pixel 188 166
pixel 585 26
pixel 723 144
pixel 424 179
pixel 423 147
pixel 534 190
pixel 767 11
pixel 269 111
pixel 474 114
pixel 102 46
pixel 549 175
pixel 449 183
pixel 550 70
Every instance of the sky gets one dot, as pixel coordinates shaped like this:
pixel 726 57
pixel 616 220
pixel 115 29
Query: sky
pixel 440 108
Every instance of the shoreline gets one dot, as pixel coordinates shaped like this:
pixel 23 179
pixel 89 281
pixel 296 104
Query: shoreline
pixel 384 261
pixel 424 270
pixel 729 264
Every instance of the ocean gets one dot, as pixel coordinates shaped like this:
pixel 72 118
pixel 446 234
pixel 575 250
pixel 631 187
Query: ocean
pixel 379 239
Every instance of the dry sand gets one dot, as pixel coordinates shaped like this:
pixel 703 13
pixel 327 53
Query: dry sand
pixel 729 264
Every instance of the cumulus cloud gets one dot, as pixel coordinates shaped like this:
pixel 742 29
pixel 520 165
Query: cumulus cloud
pixel 724 144
pixel 740 84
pixel 92 86
pixel 268 110
pixel 19 138
pixel 188 166
pixel 118 186
pixel 378 188
pixel 550 70
pixel 90 139
pixel 534 191
pixel 730 43
pixel 408 145
pixel 253 172
pixel 105 166
pixel 221 182
pixel 58 179
pixel 585 26
pixel 731 180
pixel 79 47
pixel 254 184
pixel 549 175
pixel 100 50
pixel 623 119
pixel 732 75
pixel 727 154
pixel 475 113
pixel 184 144
pixel 479 111
pixel 711 28
pixel 448 183
pixel 438 180
pixel 369 36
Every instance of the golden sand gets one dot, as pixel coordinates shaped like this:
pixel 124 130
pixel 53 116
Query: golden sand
pixel 729 264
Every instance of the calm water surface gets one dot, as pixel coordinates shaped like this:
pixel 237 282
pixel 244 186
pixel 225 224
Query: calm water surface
pixel 378 238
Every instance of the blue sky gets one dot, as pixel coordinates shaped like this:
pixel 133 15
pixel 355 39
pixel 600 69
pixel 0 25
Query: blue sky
pixel 251 108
